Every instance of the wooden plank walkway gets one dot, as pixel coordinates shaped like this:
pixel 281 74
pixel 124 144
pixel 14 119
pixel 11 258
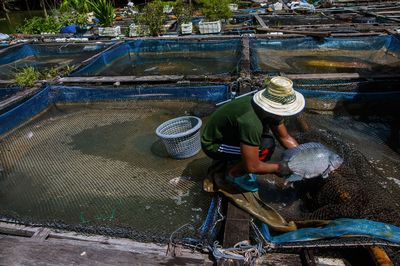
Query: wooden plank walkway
pixel 25 245
pixel 16 250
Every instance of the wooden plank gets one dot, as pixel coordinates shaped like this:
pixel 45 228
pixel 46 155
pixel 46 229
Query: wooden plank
pixel 339 76
pixel 279 259
pixel 27 251
pixel 113 79
pixel 41 234
pixel 142 79
pixel 237 226
pixel 360 34
pixel 307 33
pixel 6 82
pixel 16 229
pixel 17 97
pixel 261 21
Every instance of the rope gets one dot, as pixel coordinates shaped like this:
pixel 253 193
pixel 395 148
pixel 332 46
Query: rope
pixel 241 251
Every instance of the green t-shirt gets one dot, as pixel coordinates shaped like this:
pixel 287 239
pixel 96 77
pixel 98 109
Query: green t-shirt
pixel 234 123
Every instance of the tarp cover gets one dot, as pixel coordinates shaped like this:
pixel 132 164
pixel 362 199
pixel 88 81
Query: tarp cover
pixel 338 228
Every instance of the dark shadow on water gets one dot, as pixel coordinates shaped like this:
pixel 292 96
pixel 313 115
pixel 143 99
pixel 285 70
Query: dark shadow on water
pixel 158 149
pixel 197 169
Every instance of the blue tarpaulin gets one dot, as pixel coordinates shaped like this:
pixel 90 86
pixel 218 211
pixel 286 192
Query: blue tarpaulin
pixel 338 228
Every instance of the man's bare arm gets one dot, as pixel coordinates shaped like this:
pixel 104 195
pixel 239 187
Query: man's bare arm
pixel 283 136
pixel 251 164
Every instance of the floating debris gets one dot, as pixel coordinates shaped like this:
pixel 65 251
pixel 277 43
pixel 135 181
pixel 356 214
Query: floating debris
pixel 178 198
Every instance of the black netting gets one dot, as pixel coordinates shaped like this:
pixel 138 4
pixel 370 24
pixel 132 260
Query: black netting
pixel 355 190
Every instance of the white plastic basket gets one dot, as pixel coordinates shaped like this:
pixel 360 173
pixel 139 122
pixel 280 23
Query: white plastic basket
pixel 210 27
pixel 181 136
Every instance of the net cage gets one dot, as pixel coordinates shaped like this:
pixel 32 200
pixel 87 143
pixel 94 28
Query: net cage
pixel 166 57
pixel 379 54
pixel 103 169
pixel 45 56
pixel 364 187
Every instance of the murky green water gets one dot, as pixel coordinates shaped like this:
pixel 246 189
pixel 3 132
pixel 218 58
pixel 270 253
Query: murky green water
pixel 169 63
pixel 49 56
pixel 102 165
pixel 8 23
pixel 327 61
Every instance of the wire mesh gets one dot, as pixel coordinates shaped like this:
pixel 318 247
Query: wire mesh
pixel 167 57
pixel 44 56
pixel 100 168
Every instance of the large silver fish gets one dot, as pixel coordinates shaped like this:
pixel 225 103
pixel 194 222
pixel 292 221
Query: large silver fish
pixel 310 160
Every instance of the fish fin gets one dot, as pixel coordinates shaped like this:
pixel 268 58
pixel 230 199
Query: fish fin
pixel 293 178
pixel 287 154
pixel 325 173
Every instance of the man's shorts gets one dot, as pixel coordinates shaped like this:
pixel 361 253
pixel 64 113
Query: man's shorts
pixel 233 153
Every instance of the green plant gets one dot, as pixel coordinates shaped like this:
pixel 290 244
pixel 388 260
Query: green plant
pixel 37 25
pixel 68 69
pixel 216 9
pixel 104 11
pixel 26 77
pixel 153 17
pixel 80 6
pixel 72 17
pixel 183 12
pixel 49 73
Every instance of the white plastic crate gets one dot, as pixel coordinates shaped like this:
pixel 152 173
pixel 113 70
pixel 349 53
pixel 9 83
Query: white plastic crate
pixel 110 31
pixel 210 27
pixel 187 28
pixel 233 7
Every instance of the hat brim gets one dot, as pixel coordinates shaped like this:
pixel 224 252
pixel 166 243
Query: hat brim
pixel 277 108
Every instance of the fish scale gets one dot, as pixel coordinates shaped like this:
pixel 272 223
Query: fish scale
pixel 310 160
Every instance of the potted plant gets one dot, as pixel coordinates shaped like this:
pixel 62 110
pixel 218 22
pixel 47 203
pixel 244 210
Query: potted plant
pixel 105 13
pixel 214 11
pixel 150 20
pixel 183 13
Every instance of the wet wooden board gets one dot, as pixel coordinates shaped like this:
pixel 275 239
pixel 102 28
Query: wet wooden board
pixel 27 251
pixel 237 226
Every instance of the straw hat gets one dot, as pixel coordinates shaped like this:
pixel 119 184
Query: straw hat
pixel 279 98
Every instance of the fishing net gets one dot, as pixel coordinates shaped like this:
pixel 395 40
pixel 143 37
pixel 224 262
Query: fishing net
pixel 100 169
pixel 365 186
pixel 331 55
pixel 46 56
pixel 356 190
pixel 166 57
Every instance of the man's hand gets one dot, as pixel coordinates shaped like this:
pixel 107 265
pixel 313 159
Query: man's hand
pixel 284 169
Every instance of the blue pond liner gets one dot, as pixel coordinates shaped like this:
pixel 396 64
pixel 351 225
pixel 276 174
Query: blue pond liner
pixel 6 92
pixel 60 94
pixel 338 228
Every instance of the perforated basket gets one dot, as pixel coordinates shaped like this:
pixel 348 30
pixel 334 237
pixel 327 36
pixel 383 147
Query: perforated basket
pixel 181 136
